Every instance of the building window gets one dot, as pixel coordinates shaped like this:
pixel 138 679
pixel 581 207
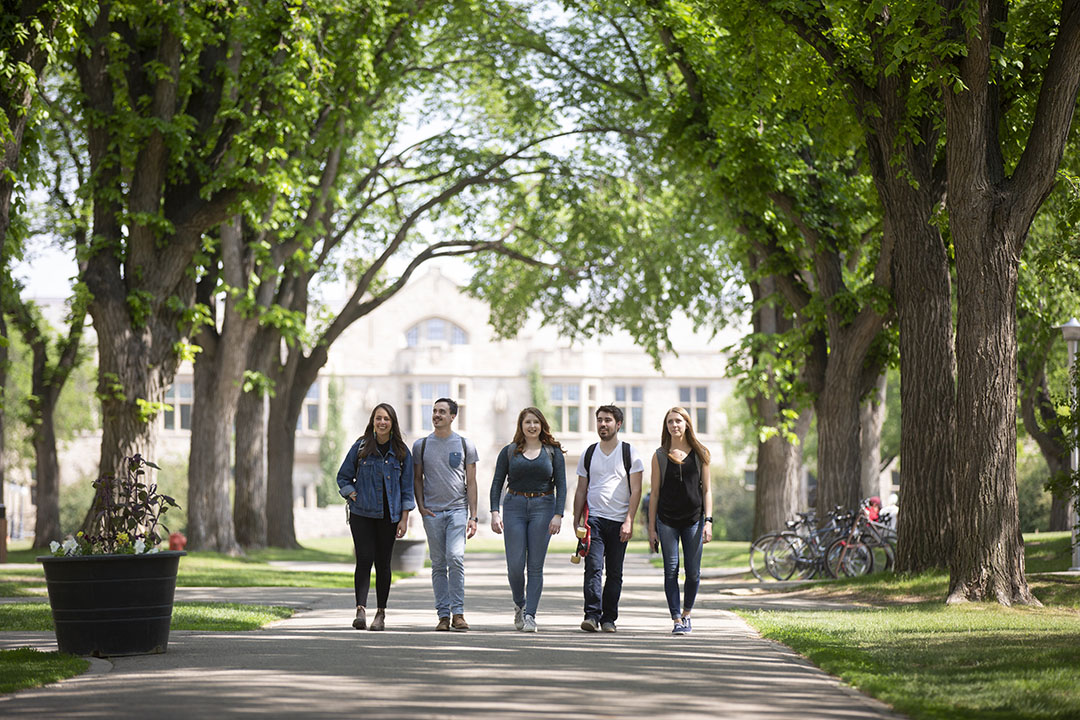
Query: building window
pixel 420 399
pixel 435 331
pixel 460 399
pixel 629 398
pixel 565 407
pixel 429 393
pixel 179 397
pixel 309 412
pixel 592 394
pixel 696 401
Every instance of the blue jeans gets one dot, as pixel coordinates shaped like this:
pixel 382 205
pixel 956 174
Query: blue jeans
pixel 525 529
pixel 446 544
pixel 691 538
pixel 605 547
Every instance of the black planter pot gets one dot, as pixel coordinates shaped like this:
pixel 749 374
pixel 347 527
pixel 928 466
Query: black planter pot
pixel 408 555
pixel 105 605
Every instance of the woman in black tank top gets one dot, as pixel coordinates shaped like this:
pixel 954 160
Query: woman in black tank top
pixel 680 511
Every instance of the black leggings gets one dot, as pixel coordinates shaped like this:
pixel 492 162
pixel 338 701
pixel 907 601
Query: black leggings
pixel 373 539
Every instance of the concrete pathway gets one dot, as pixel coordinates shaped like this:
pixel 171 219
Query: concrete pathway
pixel 315 666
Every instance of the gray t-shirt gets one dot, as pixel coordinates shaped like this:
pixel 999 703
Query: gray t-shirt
pixel 444 470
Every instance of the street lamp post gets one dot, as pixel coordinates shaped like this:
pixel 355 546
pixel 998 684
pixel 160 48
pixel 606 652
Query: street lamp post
pixel 1071 331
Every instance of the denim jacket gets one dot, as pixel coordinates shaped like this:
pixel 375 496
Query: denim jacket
pixel 368 477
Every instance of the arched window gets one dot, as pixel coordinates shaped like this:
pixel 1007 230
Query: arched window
pixel 435 330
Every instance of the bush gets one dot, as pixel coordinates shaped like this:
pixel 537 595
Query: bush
pixel 171 480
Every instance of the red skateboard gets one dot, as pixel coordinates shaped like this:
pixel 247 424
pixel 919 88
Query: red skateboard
pixel 584 535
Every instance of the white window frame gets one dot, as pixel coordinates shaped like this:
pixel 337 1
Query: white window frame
pixel 172 420
pixel 561 405
pixel 629 405
pixel 697 406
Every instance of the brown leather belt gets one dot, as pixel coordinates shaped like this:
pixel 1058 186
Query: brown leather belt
pixel 529 494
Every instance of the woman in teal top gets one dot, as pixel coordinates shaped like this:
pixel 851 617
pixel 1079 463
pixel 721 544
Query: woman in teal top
pixel 535 474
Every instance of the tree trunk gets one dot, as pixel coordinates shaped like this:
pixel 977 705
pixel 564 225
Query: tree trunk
pixel 837 410
pixel 927 416
pixel 47 481
pixel 871 420
pixel 989 563
pixel 219 374
pixel 249 506
pixel 210 521
pixel 778 476
pixel 281 451
pixel 1059 513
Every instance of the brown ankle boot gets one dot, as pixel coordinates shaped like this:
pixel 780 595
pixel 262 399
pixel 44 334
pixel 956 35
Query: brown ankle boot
pixel 360 622
pixel 379 622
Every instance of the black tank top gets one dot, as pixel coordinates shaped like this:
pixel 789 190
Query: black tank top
pixel 680 494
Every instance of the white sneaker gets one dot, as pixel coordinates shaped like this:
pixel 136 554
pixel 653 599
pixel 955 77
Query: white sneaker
pixel 519 617
pixel 529 624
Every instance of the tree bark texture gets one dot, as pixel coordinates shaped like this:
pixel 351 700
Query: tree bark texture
pixel 210 520
pixel 778 477
pixel 838 420
pixel 990 214
pixel 139 278
pixel 901 154
pixel 779 461
pixel 249 504
pixel 927 390
pixel 871 421
pixel 987 562
pixel 281 453
pixel 219 374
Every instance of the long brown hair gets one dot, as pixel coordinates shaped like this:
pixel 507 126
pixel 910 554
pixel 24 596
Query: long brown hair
pixel 665 436
pixel 546 438
pixel 397 438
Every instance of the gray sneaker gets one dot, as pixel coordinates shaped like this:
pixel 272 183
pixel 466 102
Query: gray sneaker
pixel 608 627
pixel 529 624
pixel 519 617
pixel 590 625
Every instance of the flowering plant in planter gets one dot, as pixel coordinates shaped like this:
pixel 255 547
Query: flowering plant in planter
pixel 126 515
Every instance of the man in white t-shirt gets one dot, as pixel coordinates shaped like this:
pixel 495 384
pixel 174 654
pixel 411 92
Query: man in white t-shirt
pixel 609 481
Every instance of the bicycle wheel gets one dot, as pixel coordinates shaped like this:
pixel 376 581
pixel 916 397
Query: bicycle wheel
pixel 884 556
pixel 757 556
pixel 781 557
pixel 850 558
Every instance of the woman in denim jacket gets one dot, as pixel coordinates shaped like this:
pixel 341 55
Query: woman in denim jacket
pixel 376 478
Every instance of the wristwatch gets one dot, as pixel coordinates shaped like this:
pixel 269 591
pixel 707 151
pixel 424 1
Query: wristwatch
pixel 708 519
pixel 474 519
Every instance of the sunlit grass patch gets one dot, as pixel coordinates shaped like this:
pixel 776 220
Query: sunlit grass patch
pixel 37 617
pixel 24 668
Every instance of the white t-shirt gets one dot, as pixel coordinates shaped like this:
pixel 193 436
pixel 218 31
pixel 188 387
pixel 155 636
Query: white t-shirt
pixel 609 488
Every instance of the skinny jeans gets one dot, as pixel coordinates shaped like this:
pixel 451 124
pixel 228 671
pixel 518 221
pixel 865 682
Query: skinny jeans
pixel 373 540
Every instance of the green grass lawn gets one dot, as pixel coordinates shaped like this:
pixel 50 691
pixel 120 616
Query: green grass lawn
pixel 904 646
pixel 207 569
pixel 933 661
pixel 26 668
pixel 719 554
pixel 225 617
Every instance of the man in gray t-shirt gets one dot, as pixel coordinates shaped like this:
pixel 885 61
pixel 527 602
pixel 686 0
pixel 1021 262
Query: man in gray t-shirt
pixel 444 470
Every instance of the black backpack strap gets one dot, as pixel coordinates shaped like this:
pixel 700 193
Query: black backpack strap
pixel 662 461
pixel 626 464
pixel 423 444
pixel 588 461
